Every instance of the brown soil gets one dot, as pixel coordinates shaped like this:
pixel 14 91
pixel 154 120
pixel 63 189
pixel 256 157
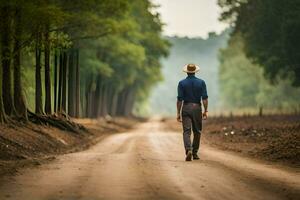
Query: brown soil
pixel 25 144
pixel 272 138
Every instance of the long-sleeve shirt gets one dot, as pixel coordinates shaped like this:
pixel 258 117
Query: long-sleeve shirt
pixel 192 90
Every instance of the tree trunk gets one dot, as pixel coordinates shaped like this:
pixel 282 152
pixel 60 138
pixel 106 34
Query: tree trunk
pixel 114 104
pixel 71 85
pixel 101 103
pixel 55 81
pixel 109 101
pixel 88 103
pixel 38 80
pixel 97 97
pixel 90 95
pixel 64 82
pixel 102 96
pixel 92 104
pixel 125 102
pixel 77 85
pixel 47 74
pixel 59 105
pixel 6 61
pixel 2 112
pixel 87 98
pixel 129 102
pixel 19 99
pixel 121 102
pixel 104 100
pixel 83 101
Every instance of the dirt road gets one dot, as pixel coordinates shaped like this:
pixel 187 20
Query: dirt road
pixel 148 163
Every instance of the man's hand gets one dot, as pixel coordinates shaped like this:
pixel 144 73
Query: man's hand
pixel 205 115
pixel 179 118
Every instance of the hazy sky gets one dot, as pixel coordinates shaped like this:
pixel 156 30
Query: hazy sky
pixel 191 18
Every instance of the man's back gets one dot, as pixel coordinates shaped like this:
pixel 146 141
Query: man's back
pixel 192 89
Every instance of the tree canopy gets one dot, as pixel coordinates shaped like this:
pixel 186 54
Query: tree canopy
pixel 243 86
pixel 270 30
pixel 99 57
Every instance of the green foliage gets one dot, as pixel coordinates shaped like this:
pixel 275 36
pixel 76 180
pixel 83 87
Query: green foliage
pixel 130 56
pixel 242 84
pixel 238 77
pixel 119 43
pixel 270 30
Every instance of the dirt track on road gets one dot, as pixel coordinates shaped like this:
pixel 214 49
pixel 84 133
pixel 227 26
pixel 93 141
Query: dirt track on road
pixel 148 163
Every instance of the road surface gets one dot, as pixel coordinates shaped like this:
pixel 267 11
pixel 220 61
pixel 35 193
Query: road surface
pixel 148 163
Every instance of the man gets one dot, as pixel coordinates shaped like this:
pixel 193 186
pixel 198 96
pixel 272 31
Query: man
pixel 189 110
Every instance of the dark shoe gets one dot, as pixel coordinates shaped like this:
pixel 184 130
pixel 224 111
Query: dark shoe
pixel 188 156
pixel 195 156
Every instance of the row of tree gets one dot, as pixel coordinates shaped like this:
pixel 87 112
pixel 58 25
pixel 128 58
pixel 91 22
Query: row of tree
pixel 260 66
pixel 270 31
pixel 244 87
pixel 99 57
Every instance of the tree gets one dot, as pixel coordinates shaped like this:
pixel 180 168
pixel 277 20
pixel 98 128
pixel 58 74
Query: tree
pixel 6 19
pixel 270 29
pixel 19 99
pixel 2 111
pixel 47 71
pixel 243 86
pixel 239 78
pixel 77 85
pixel 71 84
pixel 114 44
pixel 55 79
pixel 38 79
pixel 64 81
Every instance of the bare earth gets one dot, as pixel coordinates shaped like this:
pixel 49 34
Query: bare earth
pixel 148 163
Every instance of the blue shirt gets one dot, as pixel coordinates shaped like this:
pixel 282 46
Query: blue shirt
pixel 192 90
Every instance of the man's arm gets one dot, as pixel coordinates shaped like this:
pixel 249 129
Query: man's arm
pixel 205 105
pixel 204 101
pixel 179 101
pixel 179 104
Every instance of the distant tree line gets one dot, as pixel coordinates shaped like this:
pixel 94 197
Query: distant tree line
pixel 270 30
pixel 260 68
pixel 243 86
pixel 89 58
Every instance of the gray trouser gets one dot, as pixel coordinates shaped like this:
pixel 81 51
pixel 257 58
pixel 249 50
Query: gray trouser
pixel 191 120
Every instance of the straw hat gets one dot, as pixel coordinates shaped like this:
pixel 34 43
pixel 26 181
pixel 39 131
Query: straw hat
pixel 191 68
